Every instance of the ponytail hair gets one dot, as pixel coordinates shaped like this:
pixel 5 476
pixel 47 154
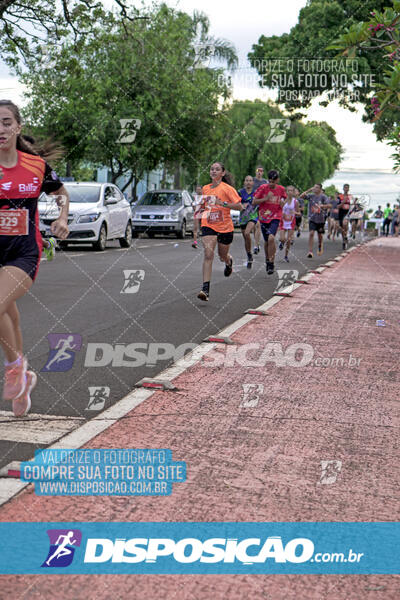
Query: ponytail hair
pixel 50 151
pixel 47 149
pixel 228 177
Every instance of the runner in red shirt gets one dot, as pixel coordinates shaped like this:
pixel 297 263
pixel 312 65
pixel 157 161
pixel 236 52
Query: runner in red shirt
pixel 24 175
pixel 270 198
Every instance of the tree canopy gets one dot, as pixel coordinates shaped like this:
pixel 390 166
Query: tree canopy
pixel 140 73
pixel 379 38
pixel 303 153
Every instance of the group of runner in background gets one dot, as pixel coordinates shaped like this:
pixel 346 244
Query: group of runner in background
pixel 267 207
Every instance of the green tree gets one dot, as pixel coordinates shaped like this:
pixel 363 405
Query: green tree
pixel 379 38
pixel 289 63
pixel 24 23
pixel 141 70
pixel 331 191
pixel 244 138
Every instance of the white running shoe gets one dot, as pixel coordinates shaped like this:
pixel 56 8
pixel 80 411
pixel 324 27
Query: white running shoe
pixel 22 405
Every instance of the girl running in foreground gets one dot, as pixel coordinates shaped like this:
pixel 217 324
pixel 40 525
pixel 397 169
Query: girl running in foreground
pixel 25 176
pixel 216 223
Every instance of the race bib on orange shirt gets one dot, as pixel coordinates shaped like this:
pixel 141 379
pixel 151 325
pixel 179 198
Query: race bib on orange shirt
pixel 215 216
pixel 14 222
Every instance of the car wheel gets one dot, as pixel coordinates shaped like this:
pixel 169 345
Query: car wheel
pixel 182 233
pixel 151 234
pixel 102 240
pixel 135 234
pixel 126 241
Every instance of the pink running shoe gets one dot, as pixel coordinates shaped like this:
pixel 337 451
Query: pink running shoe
pixel 14 380
pixel 22 404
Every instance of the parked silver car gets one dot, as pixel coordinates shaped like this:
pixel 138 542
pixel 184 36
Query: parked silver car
pixel 97 212
pixel 163 211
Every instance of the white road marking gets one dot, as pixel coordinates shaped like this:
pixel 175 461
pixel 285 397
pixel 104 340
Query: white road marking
pixel 9 488
pixel 35 428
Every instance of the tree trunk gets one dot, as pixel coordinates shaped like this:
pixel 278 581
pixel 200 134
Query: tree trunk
pixel 68 170
pixel 177 176
pixel 134 188
pixel 164 177
pixel 128 182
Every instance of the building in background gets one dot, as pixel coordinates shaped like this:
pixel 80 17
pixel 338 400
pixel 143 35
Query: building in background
pixel 151 181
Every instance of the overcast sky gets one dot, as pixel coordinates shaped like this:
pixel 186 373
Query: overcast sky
pixel 243 24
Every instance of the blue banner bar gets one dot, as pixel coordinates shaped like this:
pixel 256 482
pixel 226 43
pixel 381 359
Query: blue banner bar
pixel 200 548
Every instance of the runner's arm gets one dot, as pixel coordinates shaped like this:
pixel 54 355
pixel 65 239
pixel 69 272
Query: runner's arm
pixel 231 205
pixel 257 201
pixel 304 194
pixel 59 227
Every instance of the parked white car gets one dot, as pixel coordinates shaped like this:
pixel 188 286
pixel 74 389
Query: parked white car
pixel 235 215
pixel 98 212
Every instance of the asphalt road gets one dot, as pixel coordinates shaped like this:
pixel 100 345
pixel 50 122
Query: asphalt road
pixel 80 293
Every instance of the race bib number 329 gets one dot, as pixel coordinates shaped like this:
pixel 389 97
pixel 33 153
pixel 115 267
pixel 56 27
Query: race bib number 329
pixel 14 222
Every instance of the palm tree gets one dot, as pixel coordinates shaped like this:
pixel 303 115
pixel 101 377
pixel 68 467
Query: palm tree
pixel 207 47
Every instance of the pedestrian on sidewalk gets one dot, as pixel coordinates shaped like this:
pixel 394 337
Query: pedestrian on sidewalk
pixel 216 223
pixel 387 216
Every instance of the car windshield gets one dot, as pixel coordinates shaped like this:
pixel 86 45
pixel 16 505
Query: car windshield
pixel 83 193
pixel 160 199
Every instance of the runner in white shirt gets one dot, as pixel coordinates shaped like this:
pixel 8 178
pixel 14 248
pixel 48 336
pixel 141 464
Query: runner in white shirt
pixel 287 227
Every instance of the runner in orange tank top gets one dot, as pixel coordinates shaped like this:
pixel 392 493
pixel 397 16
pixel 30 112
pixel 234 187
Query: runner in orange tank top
pixel 216 224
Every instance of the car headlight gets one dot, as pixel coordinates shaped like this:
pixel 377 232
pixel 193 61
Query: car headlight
pixel 88 218
pixel 174 215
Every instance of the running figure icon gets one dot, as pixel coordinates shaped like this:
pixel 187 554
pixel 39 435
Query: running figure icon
pixel 62 346
pixel 62 549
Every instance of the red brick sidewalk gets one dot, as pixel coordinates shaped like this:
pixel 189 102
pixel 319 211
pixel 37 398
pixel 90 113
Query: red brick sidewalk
pixel 263 462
